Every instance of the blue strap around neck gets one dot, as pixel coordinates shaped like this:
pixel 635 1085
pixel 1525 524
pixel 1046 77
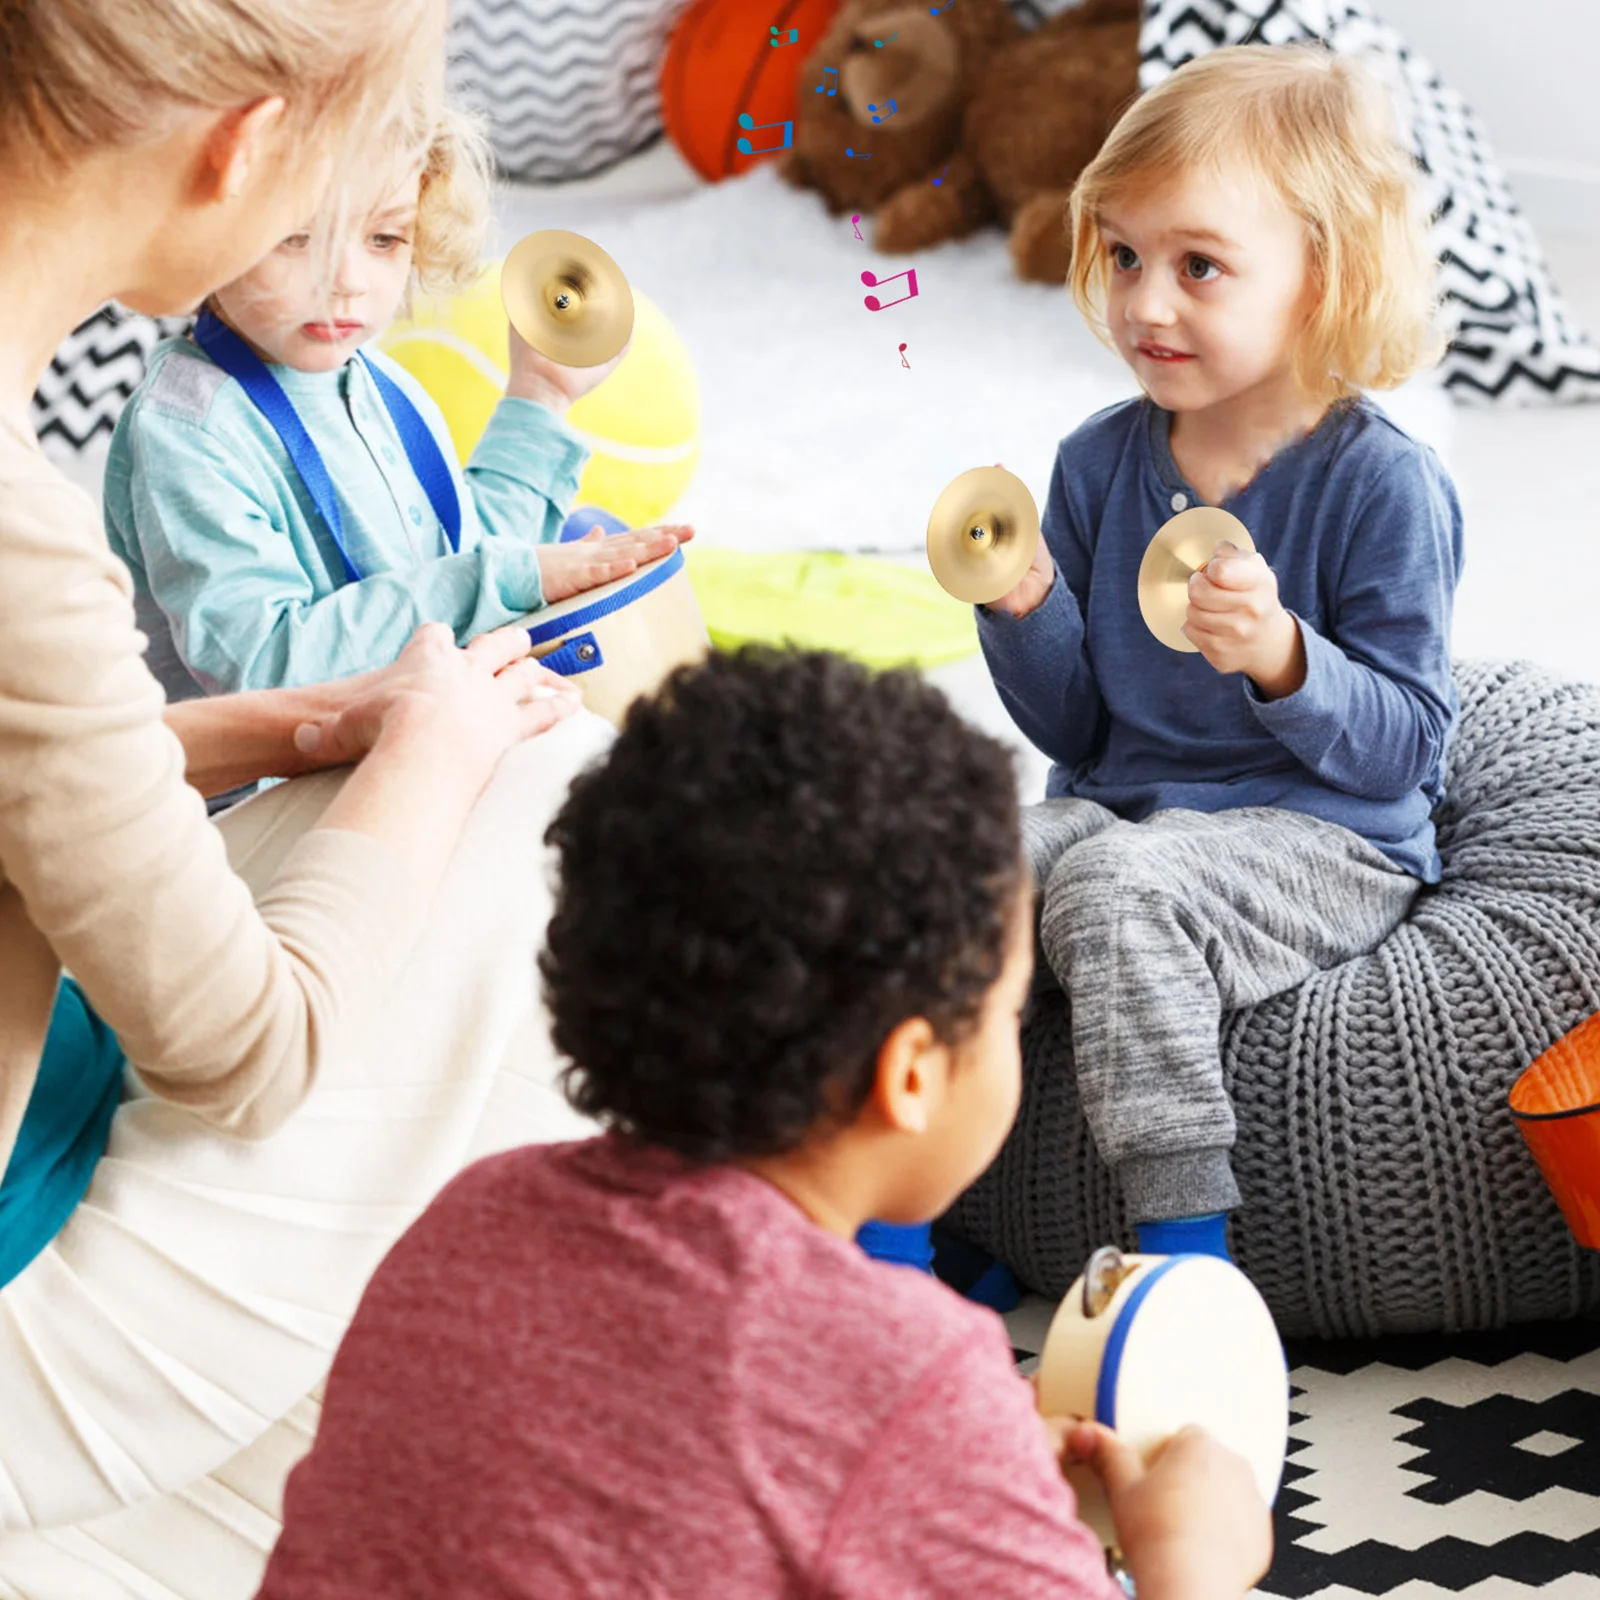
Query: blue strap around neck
pixel 240 362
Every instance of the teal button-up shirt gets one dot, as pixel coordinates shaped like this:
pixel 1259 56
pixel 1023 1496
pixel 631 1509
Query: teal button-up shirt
pixel 238 583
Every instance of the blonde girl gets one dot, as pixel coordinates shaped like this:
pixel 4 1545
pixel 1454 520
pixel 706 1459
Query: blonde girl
pixel 1224 822
pixel 174 1292
pixel 271 550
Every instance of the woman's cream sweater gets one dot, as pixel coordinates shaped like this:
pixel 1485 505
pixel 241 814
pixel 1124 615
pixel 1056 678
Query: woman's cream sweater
pixel 109 867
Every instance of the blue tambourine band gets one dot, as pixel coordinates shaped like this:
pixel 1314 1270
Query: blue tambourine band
pixel 582 653
pixel 1105 1390
pixel 560 627
pixel 252 374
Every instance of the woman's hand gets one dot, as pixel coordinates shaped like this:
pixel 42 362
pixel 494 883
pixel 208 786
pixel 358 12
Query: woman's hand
pixel 471 704
pixel 1238 623
pixel 1190 1521
pixel 599 557
pixel 537 377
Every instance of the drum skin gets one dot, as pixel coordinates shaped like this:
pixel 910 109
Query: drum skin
pixel 1185 1339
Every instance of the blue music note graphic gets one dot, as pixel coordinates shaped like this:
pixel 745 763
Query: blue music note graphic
pixel 824 84
pixel 880 43
pixel 872 281
pixel 887 114
pixel 866 155
pixel 777 43
pixel 940 179
pixel 939 11
pixel 749 122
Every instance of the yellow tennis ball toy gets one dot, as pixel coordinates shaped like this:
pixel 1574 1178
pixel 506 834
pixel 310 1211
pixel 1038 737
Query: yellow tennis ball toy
pixel 642 424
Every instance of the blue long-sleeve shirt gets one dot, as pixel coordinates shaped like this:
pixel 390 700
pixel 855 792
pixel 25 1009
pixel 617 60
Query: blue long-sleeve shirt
pixel 1362 527
pixel 238 583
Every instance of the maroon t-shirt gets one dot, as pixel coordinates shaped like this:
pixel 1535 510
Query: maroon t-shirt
pixel 591 1372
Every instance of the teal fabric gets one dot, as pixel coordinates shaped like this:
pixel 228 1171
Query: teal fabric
pixel 237 582
pixel 64 1130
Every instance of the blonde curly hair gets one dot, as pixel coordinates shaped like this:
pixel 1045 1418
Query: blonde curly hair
pixel 1320 129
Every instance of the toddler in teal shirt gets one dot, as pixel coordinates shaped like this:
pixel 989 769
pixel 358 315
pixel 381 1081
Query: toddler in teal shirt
pixel 249 572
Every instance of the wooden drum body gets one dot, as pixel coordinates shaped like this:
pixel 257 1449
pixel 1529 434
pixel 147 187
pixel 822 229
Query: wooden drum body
pixel 1150 1344
pixel 619 641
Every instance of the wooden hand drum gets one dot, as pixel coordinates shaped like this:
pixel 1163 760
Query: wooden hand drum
pixel 619 641
pixel 1148 1345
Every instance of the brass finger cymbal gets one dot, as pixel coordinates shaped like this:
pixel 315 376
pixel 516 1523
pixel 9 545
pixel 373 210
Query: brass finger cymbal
pixel 1182 547
pixel 567 298
pixel 982 534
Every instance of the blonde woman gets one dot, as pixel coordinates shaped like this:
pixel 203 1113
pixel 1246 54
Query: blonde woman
pixel 172 1294
pixel 1227 820
pixel 288 501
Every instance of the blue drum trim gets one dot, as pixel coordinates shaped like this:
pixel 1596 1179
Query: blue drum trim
pixel 1105 1390
pixel 581 653
pixel 559 627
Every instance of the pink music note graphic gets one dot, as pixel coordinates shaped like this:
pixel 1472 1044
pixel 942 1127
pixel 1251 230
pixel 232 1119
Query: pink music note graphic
pixel 887 114
pixel 824 84
pixel 749 122
pixel 855 222
pixel 872 281
pixel 778 44
pixel 903 361
pixel 866 155
pixel 940 179
pixel 880 43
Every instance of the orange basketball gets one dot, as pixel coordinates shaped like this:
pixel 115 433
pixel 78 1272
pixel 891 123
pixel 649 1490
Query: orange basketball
pixel 721 63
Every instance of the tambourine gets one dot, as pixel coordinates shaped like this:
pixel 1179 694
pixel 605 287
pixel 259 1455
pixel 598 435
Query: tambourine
pixel 619 641
pixel 1150 1344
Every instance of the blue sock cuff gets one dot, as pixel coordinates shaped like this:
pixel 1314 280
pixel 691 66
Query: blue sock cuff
pixel 1176 1236
pixel 905 1244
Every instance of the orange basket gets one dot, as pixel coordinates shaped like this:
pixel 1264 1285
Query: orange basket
pixel 1557 1106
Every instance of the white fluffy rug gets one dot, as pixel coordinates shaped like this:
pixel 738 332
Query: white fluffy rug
pixel 815 435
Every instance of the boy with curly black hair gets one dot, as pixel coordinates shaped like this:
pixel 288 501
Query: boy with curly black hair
pixel 791 944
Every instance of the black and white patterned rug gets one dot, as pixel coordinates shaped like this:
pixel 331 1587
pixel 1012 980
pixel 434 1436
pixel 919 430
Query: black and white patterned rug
pixel 1436 1468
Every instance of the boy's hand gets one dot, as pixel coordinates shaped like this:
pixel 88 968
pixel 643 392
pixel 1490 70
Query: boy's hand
pixel 1191 1522
pixel 1239 625
pixel 536 377
pixel 598 557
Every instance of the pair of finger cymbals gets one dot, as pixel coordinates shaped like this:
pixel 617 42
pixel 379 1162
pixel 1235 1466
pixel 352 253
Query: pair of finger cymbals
pixel 984 530
pixel 567 298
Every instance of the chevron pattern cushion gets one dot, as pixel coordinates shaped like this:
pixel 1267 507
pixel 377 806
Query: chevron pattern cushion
pixel 569 86
pixel 1515 341
pixel 91 376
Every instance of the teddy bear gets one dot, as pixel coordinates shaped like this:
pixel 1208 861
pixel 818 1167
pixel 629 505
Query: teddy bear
pixel 957 117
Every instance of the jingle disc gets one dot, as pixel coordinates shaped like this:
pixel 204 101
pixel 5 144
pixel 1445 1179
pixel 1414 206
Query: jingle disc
pixel 567 298
pixel 982 534
pixel 1178 551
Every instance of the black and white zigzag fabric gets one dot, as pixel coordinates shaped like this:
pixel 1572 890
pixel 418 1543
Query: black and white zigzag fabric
pixel 91 376
pixel 1514 340
pixel 569 86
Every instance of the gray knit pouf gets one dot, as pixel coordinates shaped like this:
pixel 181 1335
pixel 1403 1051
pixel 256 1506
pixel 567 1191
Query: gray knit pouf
pixel 1385 1187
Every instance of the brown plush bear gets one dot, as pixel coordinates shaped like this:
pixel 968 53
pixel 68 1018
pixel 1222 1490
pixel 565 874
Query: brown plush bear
pixel 1015 117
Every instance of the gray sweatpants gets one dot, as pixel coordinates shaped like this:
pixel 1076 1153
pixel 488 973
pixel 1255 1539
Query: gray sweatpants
pixel 1154 930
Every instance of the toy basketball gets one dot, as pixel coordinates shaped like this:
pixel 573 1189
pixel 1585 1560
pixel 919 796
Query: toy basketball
pixel 619 641
pixel 642 423
pixel 1150 1344
pixel 1557 1106
pixel 721 64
